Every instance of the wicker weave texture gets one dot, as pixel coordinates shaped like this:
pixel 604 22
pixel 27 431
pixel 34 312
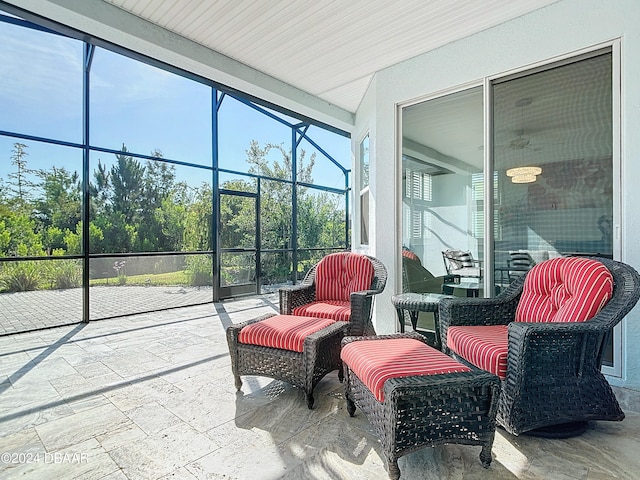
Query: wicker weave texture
pixel 553 369
pixel 361 302
pixel 321 355
pixel 425 411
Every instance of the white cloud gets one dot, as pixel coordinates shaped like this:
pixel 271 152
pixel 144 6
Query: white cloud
pixel 33 70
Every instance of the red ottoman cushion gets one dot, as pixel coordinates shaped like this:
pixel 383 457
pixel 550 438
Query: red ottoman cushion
pixel 335 309
pixel 286 332
pixel 483 346
pixel 376 361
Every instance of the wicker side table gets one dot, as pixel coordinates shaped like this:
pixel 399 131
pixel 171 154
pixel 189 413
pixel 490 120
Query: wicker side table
pixel 305 369
pixel 414 303
pixel 427 410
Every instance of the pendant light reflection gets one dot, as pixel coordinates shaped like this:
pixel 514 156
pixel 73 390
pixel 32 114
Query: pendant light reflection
pixel 523 174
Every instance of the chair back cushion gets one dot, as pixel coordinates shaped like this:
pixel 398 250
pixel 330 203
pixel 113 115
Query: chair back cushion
pixel 340 274
pixel 406 253
pixel 520 260
pixel 459 259
pixel 568 289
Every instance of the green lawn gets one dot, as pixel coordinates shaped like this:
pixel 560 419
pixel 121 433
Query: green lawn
pixel 172 278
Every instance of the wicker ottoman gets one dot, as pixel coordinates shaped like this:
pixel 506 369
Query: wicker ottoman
pixel 296 350
pixel 415 396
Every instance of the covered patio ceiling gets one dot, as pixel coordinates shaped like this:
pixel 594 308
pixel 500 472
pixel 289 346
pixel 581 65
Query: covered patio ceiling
pixel 314 58
pixel 329 49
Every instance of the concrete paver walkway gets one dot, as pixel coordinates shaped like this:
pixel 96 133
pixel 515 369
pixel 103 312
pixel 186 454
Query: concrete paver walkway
pixel 26 311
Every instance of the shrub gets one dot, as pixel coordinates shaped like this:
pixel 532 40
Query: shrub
pixel 66 274
pixel 200 270
pixel 20 277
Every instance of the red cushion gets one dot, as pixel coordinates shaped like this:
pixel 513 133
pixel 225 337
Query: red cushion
pixel 410 255
pixel 570 289
pixel 286 332
pixel 376 361
pixel 483 346
pixel 337 310
pixel 340 274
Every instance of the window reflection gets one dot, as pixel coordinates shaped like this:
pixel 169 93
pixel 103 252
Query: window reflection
pixel 442 185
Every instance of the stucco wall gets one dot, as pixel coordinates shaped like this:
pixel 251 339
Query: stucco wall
pixel 552 32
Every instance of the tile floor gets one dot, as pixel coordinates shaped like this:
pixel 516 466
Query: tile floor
pixel 151 396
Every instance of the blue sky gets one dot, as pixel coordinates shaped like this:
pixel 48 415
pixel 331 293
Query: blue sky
pixel 132 103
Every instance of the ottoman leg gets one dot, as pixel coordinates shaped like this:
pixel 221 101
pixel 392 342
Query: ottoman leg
pixel 310 400
pixel 238 382
pixel 341 372
pixel 394 470
pixel 351 407
pixel 485 456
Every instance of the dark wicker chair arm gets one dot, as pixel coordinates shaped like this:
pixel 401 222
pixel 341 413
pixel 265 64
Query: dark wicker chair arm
pixel 365 293
pixel 555 328
pixel 380 275
pixel 556 337
pixel 296 296
pixel 361 308
pixel 554 351
pixel 476 311
pixel 499 310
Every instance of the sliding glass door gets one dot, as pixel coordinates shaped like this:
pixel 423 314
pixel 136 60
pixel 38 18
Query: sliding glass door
pixel 552 178
pixel 553 156
pixel 442 208
pixel 442 174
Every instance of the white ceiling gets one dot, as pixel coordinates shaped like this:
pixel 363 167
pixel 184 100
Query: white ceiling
pixel 328 48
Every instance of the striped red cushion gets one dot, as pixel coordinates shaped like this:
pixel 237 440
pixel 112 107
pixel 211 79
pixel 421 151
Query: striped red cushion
pixel 376 361
pixel 339 274
pixel 337 310
pixel 410 255
pixel 570 289
pixel 483 346
pixel 286 332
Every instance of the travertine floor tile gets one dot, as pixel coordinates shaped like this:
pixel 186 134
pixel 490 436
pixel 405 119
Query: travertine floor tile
pixel 67 431
pixel 162 453
pixel 152 397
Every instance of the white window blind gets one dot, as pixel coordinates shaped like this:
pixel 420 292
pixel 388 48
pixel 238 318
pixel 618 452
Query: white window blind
pixel 418 185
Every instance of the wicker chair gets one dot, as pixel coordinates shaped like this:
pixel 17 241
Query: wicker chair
pixel 461 263
pixel 356 307
pixel 553 384
pixel 416 278
pixel 519 263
